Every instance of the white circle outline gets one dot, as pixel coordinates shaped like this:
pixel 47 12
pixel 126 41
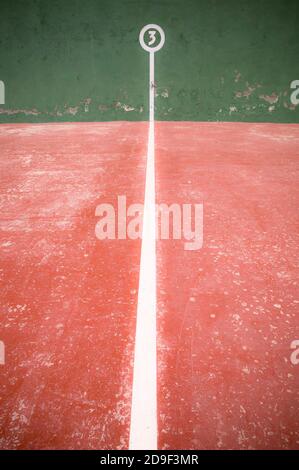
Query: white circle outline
pixel 141 38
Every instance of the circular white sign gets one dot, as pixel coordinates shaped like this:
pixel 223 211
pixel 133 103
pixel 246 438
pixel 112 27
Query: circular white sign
pixel 151 46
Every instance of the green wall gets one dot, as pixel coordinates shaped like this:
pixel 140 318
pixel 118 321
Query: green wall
pixel 71 60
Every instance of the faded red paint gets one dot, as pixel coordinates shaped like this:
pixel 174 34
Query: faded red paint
pixel 228 313
pixel 68 300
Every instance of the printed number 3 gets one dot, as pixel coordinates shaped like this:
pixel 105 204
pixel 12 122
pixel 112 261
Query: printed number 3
pixel 152 35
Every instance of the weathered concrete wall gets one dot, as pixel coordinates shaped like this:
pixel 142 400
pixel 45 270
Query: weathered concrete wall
pixel 70 60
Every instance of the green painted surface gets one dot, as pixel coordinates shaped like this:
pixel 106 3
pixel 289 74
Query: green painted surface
pixel 81 60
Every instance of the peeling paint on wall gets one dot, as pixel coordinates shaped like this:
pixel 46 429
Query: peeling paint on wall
pixel 86 103
pixel 232 109
pixel 238 76
pixel 26 112
pixel 271 99
pixel 72 110
pixel 125 107
pixel 247 92
pixel 291 107
pixel 206 72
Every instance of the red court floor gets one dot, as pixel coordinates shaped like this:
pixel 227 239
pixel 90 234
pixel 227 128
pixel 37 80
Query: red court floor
pixel 229 312
pixel 226 313
pixel 68 300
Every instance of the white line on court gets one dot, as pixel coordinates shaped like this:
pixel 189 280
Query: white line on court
pixel 143 432
pixel 143 429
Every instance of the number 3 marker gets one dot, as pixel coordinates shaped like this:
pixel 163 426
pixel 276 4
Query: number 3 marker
pixel 152 29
